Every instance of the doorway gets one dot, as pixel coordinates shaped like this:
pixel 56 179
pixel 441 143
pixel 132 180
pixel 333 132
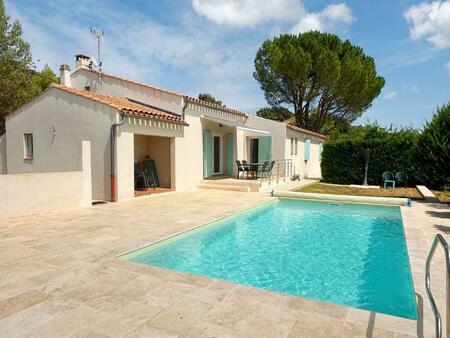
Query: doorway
pixel 254 150
pixel 217 152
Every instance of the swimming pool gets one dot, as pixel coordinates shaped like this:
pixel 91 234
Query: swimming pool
pixel 348 254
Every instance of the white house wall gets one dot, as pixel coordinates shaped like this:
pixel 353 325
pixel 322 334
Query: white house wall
pixel 306 169
pixel 59 122
pixel 118 87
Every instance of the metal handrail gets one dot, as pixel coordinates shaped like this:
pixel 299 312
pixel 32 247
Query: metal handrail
pixel 438 239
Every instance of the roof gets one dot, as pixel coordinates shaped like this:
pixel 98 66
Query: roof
pixel 128 80
pixel 213 105
pixel 305 131
pixel 124 105
pixel 186 97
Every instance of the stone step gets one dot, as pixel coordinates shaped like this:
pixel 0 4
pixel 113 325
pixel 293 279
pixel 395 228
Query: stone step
pixel 227 187
pixel 427 194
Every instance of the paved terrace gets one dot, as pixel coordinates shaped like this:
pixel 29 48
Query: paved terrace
pixel 59 278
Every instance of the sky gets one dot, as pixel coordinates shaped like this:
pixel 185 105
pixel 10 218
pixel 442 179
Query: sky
pixel 194 46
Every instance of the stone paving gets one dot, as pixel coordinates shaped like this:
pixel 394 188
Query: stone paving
pixel 60 278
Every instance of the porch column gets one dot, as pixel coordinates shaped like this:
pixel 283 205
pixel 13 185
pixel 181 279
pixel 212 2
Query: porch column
pixel 125 166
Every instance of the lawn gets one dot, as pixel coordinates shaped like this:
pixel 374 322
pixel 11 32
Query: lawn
pixel 322 188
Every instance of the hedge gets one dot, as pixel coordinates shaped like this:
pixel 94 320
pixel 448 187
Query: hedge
pixel 343 157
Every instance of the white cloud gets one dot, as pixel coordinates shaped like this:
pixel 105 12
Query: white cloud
pixel 247 13
pixel 332 16
pixel 390 96
pixel 430 21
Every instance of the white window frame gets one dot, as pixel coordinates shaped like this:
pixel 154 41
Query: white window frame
pixel 28 150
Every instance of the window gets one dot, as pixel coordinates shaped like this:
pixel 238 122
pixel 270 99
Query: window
pixel 292 146
pixel 28 146
pixel 306 152
pixel 296 146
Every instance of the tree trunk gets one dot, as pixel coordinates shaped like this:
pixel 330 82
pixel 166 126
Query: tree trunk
pixel 366 168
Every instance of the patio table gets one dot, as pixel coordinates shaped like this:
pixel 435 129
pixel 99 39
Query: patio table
pixel 253 168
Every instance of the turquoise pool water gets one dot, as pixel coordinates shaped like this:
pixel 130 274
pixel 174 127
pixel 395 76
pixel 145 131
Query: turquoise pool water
pixel 348 254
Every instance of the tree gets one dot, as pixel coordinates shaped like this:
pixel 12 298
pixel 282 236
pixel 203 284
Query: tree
pixel 320 76
pixel 15 66
pixel 432 155
pixel 275 113
pixel 209 98
pixel 42 80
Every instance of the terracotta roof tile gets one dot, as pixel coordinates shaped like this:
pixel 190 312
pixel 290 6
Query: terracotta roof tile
pixel 125 105
pixel 305 131
pixel 213 105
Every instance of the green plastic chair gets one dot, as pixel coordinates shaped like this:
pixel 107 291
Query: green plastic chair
pixel 401 178
pixel 388 177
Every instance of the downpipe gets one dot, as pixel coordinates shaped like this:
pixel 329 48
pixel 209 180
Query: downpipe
pixel 113 155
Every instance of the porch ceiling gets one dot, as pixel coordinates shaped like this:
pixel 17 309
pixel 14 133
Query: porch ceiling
pixel 249 131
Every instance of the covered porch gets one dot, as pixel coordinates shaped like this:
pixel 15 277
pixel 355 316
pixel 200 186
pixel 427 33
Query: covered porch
pixel 226 142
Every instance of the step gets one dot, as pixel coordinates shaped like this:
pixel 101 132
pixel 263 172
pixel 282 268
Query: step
pixel 227 187
pixel 427 194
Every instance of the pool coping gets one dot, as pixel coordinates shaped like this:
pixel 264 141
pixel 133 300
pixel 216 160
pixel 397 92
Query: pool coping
pixel 375 320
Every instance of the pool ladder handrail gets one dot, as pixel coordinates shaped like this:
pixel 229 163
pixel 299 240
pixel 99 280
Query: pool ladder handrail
pixel 438 239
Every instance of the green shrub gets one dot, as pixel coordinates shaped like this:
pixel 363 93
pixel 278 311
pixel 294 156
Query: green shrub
pixel 432 155
pixel 344 156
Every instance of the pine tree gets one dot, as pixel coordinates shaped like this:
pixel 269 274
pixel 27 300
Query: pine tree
pixel 16 66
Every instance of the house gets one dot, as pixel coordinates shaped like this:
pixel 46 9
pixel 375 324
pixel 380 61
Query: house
pixel 127 121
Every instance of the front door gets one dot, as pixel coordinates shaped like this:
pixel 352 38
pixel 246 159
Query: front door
pixel 217 154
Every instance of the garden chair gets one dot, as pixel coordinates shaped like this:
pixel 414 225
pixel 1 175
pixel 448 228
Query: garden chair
pixel 240 168
pixel 140 180
pixel 401 178
pixel 388 178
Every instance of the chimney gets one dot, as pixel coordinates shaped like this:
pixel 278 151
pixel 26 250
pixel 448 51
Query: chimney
pixel 82 60
pixel 65 75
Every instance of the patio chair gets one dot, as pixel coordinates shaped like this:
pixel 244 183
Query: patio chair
pixel 140 180
pixel 401 178
pixel 151 173
pixel 240 168
pixel 388 178
pixel 265 169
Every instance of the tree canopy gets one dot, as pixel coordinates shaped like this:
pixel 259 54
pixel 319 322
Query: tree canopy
pixel 209 98
pixel 323 78
pixel 275 113
pixel 19 81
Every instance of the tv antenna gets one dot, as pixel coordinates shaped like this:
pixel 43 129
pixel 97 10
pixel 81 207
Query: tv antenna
pixel 97 33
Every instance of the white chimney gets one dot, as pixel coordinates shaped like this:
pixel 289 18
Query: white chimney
pixel 65 75
pixel 82 60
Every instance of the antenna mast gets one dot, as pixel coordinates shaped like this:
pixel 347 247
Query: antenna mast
pixel 97 33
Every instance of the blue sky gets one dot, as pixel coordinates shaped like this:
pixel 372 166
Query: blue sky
pixel 194 46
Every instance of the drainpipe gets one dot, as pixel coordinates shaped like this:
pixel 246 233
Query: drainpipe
pixel 113 155
pixel 183 111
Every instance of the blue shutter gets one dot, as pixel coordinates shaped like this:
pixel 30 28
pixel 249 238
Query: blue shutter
pixel 307 151
pixel 230 148
pixel 207 153
pixel 264 148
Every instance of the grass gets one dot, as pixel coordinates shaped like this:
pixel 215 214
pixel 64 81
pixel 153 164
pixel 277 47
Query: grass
pixel 322 188
pixel 443 196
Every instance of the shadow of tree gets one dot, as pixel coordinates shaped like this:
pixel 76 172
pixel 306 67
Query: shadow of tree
pixel 439 214
pixel 443 228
